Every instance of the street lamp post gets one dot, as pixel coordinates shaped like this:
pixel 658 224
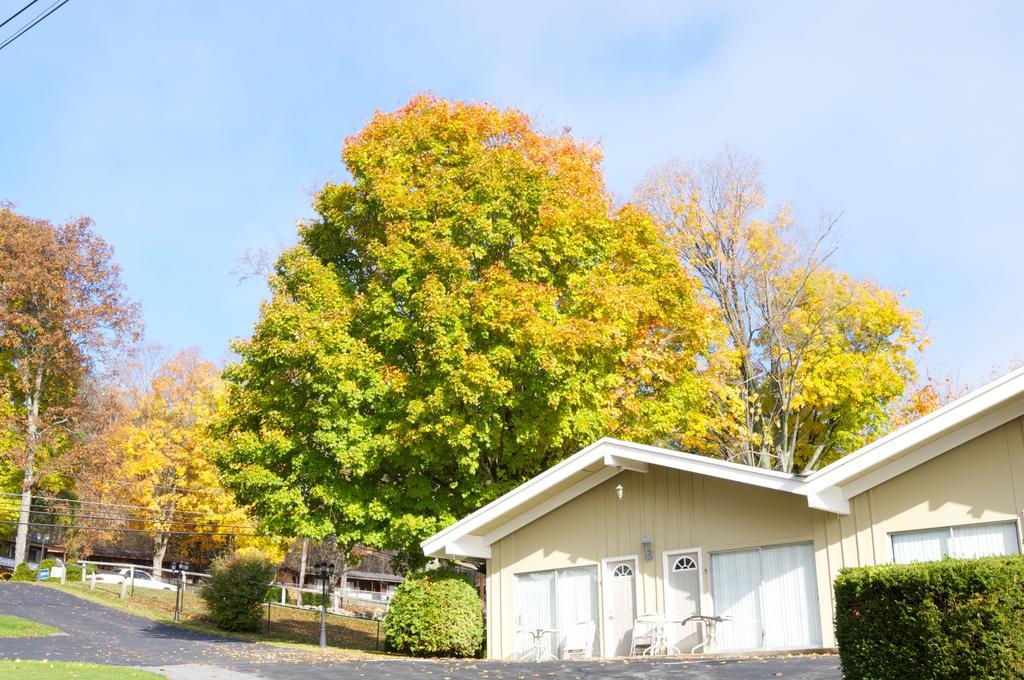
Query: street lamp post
pixel 325 570
pixel 179 568
pixel 42 538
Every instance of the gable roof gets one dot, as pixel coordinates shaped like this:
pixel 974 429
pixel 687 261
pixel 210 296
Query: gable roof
pixel 827 489
pixel 958 422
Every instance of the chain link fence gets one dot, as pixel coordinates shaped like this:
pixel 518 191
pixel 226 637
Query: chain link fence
pixel 292 623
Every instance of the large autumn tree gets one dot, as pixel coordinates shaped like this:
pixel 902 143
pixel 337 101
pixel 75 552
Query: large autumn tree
pixel 818 358
pixel 159 449
pixel 63 310
pixel 468 310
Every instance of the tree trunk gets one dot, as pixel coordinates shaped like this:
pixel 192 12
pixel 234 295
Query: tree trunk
pixel 302 571
pixel 160 542
pixel 343 580
pixel 31 442
pixel 21 538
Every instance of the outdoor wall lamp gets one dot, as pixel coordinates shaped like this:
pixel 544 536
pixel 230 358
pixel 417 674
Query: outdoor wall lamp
pixel 648 547
pixel 618 491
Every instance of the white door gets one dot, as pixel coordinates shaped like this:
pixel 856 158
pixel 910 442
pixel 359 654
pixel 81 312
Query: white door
pixel 682 598
pixel 619 605
pixel 770 595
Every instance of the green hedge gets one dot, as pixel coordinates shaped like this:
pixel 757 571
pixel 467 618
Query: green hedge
pixel 51 564
pixel 948 619
pixel 312 599
pixel 273 594
pixel 435 613
pixel 23 572
pixel 308 599
pixel 237 589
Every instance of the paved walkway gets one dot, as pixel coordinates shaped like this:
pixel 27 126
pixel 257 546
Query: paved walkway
pixel 98 634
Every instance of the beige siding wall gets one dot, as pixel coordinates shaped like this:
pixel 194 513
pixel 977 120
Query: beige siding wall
pixel 981 481
pixel 674 509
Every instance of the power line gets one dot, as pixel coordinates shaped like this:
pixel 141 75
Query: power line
pixel 25 29
pixel 104 504
pixel 210 523
pixel 81 527
pixel 15 15
pixel 182 489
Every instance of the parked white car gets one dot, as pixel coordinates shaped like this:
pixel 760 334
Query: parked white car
pixel 142 579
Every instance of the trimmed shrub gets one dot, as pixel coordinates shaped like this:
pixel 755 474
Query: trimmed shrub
pixel 932 620
pixel 51 564
pixel 237 589
pixel 435 613
pixel 312 599
pixel 72 573
pixel 23 572
pixel 273 594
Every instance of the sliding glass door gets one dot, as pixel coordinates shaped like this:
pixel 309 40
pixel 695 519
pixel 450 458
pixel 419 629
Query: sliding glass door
pixel 554 600
pixel 769 595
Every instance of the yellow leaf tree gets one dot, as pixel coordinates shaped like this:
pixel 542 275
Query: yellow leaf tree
pixel 163 473
pixel 815 358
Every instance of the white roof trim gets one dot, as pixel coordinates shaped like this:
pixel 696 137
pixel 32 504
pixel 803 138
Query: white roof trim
pixel 828 489
pixel 612 454
pixel 433 546
pixel 984 401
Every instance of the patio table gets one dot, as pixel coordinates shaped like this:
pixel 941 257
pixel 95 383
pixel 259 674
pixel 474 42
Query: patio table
pixel 538 652
pixel 659 641
pixel 710 624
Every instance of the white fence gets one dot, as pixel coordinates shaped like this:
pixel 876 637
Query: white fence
pixel 110 572
pixel 339 598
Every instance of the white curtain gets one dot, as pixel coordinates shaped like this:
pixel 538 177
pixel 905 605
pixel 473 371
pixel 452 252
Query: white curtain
pixel 735 582
pixel 920 546
pixel 554 600
pixel 973 540
pixel 982 540
pixel 789 597
pixel 770 596
pixel 576 601
pixel 535 606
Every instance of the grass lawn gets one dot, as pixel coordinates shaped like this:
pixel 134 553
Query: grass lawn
pixel 15 626
pixel 53 670
pixel 289 627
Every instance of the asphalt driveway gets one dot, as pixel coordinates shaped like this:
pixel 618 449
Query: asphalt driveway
pixel 97 634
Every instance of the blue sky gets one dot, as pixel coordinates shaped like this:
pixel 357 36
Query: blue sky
pixel 191 131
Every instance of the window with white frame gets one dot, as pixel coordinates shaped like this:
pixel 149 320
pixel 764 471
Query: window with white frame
pixel 970 540
pixel 684 563
pixel 623 571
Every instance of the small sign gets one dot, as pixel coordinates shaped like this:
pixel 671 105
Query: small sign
pixel 43 575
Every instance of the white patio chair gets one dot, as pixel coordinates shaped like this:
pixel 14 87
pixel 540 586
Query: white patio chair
pixel 579 641
pixel 643 637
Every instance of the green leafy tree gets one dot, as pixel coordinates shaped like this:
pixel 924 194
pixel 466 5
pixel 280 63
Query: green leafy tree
pixel 467 311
